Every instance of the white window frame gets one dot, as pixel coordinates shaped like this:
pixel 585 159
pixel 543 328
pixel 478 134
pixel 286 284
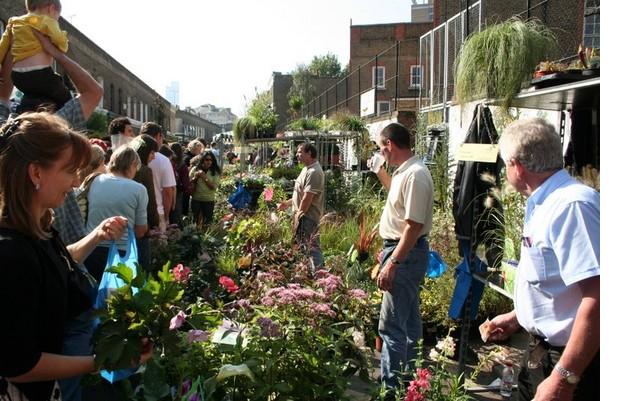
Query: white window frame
pixel 379 103
pixel 412 77
pixel 589 36
pixel 374 77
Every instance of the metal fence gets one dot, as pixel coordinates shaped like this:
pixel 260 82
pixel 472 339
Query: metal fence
pixel 393 84
pixel 432 84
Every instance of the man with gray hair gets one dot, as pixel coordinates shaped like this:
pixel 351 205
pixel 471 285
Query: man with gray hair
pixel 557 293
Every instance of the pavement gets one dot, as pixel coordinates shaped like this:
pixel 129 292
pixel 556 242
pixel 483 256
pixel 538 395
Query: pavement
pixel 514 350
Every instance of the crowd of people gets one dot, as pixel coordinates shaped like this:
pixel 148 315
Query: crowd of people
pixel 63 199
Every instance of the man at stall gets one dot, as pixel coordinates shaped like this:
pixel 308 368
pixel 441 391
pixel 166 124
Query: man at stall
pixel 308 203
pixel 404 226
pixel 557 294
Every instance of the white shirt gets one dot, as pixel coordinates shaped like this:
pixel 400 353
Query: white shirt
pixel 561 246
pixel 410 198
pixel 163 177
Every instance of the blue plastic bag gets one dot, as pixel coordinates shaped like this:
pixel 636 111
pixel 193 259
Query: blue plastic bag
pixel 241 198
pixel 437 266
pixel 111 281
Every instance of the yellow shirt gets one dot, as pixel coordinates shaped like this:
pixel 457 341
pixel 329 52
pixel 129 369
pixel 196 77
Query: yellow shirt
pixel 25 43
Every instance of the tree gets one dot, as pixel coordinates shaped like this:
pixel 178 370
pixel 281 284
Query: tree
pixel 97 124
pixel 326 66
pixel 261 111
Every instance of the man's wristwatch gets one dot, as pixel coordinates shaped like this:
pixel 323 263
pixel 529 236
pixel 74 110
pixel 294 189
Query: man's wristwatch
pixel 567 375
pixel 394 260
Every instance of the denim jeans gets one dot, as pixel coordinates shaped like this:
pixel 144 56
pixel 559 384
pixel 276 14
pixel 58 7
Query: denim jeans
pixel 308 236
pixel 77 342
pixel 400 324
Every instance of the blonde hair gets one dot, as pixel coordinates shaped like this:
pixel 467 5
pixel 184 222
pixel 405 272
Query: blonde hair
pixel 33 138
pixel 194 144
pixel 97 159
pixel 122 159
pixel 32 5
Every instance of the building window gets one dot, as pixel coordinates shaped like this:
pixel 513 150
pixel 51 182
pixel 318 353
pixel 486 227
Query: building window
pixel 416 77
pixel 377 74
pixel 384 107
pixel 592 28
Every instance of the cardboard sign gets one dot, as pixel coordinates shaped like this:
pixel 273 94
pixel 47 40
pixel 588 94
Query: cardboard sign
pixel 478 152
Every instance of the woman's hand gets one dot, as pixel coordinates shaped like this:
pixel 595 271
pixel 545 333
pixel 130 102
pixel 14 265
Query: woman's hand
pixel 112 228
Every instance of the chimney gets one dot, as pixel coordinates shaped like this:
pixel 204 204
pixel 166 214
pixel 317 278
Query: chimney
pixel 422 11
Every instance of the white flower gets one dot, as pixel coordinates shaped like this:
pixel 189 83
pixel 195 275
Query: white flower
pixel 358 338
pixel 447 346
pixel 434 355
pixel 227 371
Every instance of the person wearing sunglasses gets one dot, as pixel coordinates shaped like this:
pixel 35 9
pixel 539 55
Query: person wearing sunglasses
pixel 204 174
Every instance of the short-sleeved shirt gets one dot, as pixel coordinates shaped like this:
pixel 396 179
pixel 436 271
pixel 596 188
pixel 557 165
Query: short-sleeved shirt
pixel 410 198
pixel 311 179
pixel 202 191
pixel 560 247
pixel 163 177
pixel 71 111
pixel 116 196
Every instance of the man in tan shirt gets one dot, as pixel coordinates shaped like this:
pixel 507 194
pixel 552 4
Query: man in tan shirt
pixel 404 226
pixel 308 203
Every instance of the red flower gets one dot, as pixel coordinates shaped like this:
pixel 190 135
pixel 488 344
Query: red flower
pixel 181 273
pixel 228 284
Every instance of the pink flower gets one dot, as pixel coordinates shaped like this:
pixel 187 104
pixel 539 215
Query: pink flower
pixel 228 284
pixel 195 336
pixel 322 309
pixel 177 321
pixel 268 194
pixel 181 273
pixel 227 217
pixel 358 293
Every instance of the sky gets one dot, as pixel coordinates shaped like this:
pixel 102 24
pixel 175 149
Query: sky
pixel 222 51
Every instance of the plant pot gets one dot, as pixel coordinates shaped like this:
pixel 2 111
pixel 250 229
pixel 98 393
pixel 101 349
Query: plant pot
pixel 378 343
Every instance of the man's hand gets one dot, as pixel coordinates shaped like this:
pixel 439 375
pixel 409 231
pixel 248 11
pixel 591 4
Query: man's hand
pixel 375 162
pixel 502 326
pixel 46 44
pixel 386 276
pixel 554 388
pixel 284 205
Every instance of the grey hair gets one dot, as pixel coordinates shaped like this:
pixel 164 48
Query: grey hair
pixel 122 159
pixel 534 143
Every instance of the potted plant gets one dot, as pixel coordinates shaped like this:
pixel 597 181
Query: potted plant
pixel 496 61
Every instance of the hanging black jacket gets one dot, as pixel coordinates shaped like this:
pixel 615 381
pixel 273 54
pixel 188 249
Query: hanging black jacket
pixel 476 210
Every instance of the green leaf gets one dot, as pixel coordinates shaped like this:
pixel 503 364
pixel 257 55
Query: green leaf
pixel 154 382
pixel 165 274
pixel 143 301
pixel 123 271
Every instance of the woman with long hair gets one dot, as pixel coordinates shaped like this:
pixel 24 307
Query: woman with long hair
pixel 41 287
pixel 204 174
